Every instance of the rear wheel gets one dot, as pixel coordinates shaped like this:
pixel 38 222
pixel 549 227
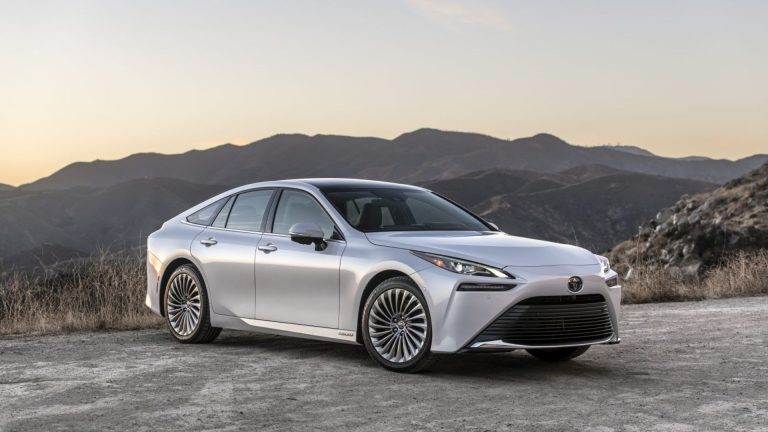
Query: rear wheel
pixel 186 307
pixel 397 328
pixel 558 354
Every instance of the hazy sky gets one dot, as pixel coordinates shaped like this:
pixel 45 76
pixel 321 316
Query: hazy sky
pixel 81 80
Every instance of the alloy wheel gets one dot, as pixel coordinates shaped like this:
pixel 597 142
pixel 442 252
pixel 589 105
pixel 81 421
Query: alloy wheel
pixel 183 304
pixel 397 325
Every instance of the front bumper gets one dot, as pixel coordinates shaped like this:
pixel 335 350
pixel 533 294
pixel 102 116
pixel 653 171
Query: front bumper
pixel 458 317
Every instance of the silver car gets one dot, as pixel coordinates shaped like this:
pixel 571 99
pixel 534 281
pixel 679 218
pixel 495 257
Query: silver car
pixel 396 268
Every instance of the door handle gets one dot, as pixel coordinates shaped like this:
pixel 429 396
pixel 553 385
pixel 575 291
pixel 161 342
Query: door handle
pixel 267 248
pixel 209 242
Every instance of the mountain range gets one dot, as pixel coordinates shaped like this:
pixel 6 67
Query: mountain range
pixel 422 155
pixel 538 186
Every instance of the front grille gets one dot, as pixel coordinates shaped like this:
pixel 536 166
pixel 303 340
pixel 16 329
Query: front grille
pixel 552 320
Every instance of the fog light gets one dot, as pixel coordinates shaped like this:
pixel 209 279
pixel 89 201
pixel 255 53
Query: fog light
pixel 612 282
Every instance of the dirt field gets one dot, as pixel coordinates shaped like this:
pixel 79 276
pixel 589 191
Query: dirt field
pixel 681 367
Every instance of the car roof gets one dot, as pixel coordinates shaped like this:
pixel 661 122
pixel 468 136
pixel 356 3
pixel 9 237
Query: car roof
pixel 343 183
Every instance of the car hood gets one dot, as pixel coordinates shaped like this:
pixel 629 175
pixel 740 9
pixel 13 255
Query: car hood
pixel 491 248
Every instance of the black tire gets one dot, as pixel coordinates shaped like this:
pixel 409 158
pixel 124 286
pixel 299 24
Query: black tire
pixel 558 354
pixel 203 331
pixel 423 356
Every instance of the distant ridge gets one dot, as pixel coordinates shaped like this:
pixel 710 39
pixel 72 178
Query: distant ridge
pixel 632 150
pixel 420 155
pixel 593 206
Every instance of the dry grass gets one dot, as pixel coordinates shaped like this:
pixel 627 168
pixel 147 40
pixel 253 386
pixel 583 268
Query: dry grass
pixel 107 292
pixel 743 274
pixel 104 292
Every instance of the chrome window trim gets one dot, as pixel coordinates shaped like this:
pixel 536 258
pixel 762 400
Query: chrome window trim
pixel 186 222
pixel 235 230
pixel 288 236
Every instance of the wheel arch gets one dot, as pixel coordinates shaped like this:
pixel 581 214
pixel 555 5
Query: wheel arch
pixel 370 286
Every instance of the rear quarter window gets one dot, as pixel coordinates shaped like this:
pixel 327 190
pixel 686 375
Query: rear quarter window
pixel 206 214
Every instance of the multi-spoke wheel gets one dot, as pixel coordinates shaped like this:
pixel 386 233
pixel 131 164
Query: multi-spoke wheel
pixel 186 307
pixel 396 326
pixel 183 304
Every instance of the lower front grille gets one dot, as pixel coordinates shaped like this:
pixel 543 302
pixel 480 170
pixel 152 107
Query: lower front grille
pixel 552 320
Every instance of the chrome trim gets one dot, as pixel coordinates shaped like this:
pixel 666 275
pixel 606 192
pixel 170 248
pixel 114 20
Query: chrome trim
pixel 186 222
pixel 286 329
pixel 288 236
pixel 500 344
pixel 234 230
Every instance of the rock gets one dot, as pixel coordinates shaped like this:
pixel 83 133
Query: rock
pixel 698 232
pixel 692 269
pixel 664 214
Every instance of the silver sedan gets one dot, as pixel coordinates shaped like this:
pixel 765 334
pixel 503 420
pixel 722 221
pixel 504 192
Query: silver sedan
pixel 396 268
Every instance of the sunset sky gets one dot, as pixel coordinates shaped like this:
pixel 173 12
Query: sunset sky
pixel 84 80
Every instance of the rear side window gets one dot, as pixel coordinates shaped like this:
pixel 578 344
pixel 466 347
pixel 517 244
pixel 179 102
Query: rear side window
pixel 248 210
pixel 221 219
pixel 204 216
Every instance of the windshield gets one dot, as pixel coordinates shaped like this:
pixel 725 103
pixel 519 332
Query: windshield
pixel 372 210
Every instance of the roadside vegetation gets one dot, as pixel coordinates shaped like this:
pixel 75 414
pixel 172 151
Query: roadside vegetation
pixel 103 292
pixel 742 274
pixel 106 292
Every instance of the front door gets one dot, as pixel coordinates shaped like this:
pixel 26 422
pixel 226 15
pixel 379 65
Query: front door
pixel 295 283
pixel 226 251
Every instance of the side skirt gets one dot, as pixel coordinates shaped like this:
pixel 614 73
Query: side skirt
pixel 285 329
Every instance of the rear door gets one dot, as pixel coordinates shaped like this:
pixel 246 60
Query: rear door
pixel 226 251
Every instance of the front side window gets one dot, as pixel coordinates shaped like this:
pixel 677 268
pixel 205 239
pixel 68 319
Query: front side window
pixel 371 210
pixel 248 210
pixel 299 207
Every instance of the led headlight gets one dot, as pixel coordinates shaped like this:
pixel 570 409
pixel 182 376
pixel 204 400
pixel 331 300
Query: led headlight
pixel 605 265
pixel 461 266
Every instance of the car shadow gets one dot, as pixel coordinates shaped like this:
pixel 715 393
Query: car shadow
pixel 515 365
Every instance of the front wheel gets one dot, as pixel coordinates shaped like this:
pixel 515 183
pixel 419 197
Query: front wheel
pixel 558 354
pixel 186 307
pixel 396 325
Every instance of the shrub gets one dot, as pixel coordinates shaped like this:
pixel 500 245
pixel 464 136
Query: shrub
pixel 742 274
pixel 105 291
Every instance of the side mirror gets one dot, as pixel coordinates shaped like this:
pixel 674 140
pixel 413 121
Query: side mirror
pixel 494 226
pixel 308 233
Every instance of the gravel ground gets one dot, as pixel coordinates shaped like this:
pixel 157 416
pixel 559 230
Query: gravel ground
pixel 681 367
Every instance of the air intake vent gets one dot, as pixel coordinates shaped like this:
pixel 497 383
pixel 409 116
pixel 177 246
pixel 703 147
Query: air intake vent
pixel 552 320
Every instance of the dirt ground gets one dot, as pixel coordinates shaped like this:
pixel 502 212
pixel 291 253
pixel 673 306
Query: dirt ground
pixel 681 367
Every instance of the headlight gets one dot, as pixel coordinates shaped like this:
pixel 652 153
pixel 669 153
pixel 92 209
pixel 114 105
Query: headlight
pixel 461 266
pixel 605 265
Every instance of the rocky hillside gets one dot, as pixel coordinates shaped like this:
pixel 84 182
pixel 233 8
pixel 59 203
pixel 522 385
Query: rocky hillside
pixel 700 230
